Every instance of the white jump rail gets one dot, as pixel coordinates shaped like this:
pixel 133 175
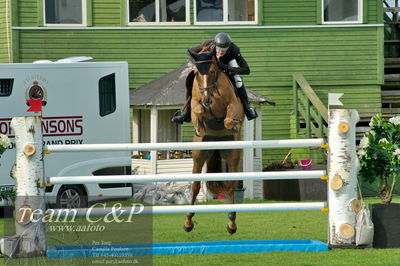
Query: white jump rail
pixel 209 145
pixel 115 179
pixel 140 209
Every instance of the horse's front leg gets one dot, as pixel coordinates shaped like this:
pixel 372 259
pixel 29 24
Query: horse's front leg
pixel 234 117
pixel 198 162
pixel 195 191
pixel 197 118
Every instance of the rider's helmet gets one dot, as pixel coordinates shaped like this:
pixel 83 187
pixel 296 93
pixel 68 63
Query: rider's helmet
pixel 222 41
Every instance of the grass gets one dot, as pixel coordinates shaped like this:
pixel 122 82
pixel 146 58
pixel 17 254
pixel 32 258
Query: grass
pixel 257 225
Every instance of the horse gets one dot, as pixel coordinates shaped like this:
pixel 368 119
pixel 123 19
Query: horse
pixel 217 114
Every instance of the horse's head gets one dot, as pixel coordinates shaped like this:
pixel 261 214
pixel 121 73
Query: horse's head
pixel 206 74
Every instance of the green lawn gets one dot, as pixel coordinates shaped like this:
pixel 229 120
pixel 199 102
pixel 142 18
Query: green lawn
pixel 257 225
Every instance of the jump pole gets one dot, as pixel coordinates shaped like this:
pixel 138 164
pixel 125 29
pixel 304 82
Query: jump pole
pixel 110 179
pixel 209 145
pixel 136 209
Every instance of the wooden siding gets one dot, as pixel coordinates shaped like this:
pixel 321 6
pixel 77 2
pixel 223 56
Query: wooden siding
pixel 278 12
pixel 106 13
pixel 345 56
pixel 374 11
pixel 4 33
pixel 29 14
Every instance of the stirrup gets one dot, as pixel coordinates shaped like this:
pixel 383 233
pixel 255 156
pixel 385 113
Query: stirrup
pixel 179 119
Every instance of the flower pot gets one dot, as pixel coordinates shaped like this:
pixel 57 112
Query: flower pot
pixel 386 219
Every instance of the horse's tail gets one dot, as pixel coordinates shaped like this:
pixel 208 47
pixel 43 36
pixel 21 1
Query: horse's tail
pixel 214 165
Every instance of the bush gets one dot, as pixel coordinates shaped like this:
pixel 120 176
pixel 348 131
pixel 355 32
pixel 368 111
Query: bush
pixel 379 155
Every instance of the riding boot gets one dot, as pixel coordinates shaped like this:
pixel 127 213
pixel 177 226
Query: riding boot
pixel 186 112
pixel 250 112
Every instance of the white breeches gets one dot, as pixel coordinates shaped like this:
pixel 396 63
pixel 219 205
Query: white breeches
pixel 238 79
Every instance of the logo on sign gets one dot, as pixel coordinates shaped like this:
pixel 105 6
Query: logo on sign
pixel 36 89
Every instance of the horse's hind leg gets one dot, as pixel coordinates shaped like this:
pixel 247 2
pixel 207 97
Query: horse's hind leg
pixel 188 226
pixel 232 159
pixel 231 226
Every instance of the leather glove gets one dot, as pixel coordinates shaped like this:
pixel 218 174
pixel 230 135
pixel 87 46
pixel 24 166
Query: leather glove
pixel 223 66
pixel 232 70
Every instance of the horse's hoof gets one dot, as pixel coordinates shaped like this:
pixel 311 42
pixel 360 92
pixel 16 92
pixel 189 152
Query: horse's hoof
pixel 199 133
pixel 231 230
pixel 188 229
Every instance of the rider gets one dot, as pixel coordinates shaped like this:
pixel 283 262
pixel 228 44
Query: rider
pixel 231 62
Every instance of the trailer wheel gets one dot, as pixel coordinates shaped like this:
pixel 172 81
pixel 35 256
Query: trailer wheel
pixel 70 197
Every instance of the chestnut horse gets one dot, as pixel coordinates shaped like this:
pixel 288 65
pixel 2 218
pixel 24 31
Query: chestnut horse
pixel 217 114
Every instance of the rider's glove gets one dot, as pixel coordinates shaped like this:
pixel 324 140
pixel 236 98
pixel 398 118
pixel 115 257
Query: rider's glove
pixel 223 66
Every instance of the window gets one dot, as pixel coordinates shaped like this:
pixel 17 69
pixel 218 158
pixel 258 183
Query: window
pixel 65 12
pixel 107 94
pixel 342 11
pixel 226 12
pixel 6 86
pixel 158 12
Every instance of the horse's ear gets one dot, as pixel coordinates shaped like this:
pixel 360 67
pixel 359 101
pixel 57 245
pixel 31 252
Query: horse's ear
pixel 192 54
pixel 212 49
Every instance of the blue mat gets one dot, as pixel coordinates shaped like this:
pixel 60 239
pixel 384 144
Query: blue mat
pixel 123 250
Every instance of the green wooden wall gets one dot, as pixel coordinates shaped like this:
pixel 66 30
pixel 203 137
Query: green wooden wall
pixel 332 59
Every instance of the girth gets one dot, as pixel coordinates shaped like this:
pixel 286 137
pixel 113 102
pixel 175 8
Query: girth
pixel 218 138
pixel 214 123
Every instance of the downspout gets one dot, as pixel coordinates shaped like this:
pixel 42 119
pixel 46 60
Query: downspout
pixel 8 39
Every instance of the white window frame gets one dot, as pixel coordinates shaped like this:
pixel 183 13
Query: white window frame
pixel 84 17
pixel 225 20
pixel 157 22
pixel 360 15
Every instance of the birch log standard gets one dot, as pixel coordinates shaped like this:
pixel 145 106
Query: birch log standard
pixel 342 171
pixel 30 238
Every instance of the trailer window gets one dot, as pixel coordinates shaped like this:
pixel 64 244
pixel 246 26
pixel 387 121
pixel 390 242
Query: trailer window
pixel 107 98
pixel 6 86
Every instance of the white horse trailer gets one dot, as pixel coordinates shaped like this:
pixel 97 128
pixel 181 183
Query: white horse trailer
pixel 83 102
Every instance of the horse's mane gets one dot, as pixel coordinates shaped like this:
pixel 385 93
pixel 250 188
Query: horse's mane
pixel 205 49
pixel 205 54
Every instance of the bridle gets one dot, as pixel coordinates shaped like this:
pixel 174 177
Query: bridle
pixel 210 89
